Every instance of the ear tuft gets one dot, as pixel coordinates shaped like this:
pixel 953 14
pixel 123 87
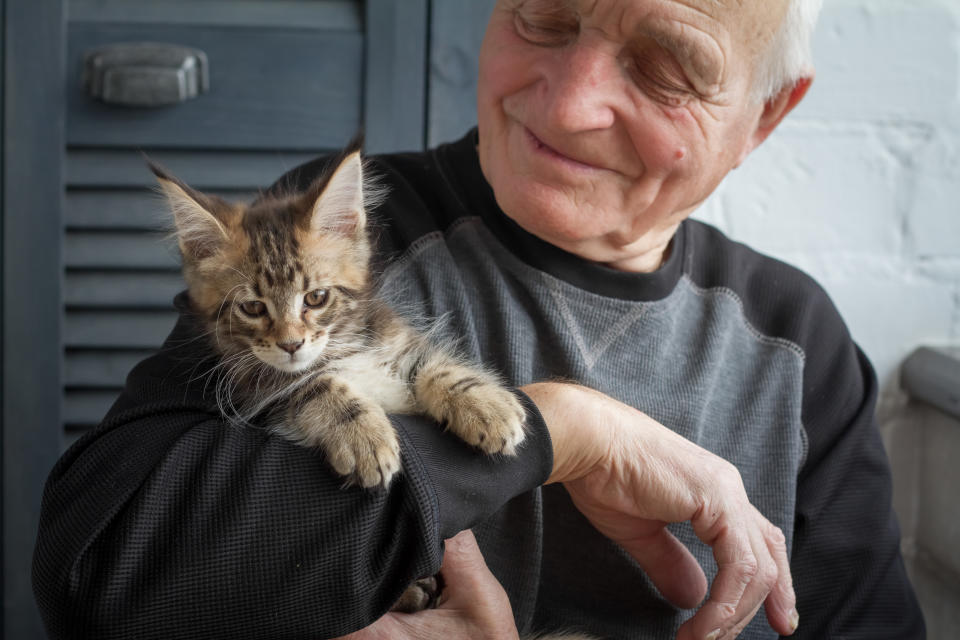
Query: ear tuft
pixel 340 208
pixel 199 233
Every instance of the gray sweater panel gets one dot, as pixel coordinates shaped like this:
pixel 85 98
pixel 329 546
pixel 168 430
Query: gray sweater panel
pixel 685 360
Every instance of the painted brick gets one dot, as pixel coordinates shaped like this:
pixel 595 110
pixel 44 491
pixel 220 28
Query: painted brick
pixel 878 59
pixel 818 189
pixel 889 316
pixel 933 225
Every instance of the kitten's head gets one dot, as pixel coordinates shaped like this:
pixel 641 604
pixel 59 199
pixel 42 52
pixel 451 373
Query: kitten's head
pixel 280 279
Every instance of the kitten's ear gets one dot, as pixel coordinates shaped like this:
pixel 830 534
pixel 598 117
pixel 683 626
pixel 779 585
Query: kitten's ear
pixel 339 207
pixel 199 232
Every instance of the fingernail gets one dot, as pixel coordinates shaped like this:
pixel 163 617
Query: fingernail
pixel 713 635
pixel 794 619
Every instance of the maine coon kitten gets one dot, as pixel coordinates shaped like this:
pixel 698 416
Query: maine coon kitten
pixel 284 288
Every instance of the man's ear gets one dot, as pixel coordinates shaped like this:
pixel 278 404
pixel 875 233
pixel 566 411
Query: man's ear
pixel 774 111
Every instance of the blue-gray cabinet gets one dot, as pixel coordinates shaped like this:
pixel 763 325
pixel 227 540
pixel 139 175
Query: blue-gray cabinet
pixel 88 275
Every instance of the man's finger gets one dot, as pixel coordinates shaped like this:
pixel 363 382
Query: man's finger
pixel 782 601
pixel 746 576
pixel 671 567
pixel 734 590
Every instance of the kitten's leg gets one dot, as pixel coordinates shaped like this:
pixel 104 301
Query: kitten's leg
pixel 472 403
pixel 356 435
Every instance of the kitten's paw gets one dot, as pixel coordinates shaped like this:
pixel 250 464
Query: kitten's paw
pixel 365 449
pixel 487 416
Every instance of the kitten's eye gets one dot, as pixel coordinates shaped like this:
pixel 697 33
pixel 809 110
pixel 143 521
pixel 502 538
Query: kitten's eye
pixel 253 308
pixel 315 298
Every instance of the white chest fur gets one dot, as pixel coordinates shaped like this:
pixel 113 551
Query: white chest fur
pixel 370 377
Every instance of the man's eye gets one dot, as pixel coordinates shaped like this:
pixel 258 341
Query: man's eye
pixel 316 298
pixel 662 85
pixel 253 308
pixel 545 31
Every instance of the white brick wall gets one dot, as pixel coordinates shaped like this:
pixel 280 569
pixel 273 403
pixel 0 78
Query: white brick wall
pixel 860 186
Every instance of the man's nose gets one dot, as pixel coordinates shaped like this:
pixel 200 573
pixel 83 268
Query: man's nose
pixel 583 89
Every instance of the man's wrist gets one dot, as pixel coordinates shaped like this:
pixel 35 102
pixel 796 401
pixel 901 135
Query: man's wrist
pixel 575 430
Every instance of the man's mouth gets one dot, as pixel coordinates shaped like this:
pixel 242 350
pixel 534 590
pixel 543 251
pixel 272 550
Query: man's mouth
pixel 548 151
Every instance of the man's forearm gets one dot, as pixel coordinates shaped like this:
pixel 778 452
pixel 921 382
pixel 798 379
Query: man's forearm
pixel 169 522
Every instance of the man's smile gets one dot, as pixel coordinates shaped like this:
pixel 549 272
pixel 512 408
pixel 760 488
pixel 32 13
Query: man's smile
pixel 550 153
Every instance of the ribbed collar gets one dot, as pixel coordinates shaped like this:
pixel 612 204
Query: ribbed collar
pixel 460 161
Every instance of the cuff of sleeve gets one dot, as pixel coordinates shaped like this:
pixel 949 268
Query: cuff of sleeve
pixel 470 486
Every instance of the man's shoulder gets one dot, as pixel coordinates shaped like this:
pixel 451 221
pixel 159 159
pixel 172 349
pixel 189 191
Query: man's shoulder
pixel 779 299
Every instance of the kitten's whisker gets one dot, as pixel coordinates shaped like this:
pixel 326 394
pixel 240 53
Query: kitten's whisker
pixel 220 311
pixel 176 344
pixel 241 274
pixel 220 363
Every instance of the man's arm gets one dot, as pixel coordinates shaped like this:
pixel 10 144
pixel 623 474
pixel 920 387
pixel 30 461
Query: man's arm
pixel 849 575
pixel 169 522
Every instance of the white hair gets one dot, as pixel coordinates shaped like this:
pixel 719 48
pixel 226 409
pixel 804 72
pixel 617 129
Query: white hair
pixel 788 57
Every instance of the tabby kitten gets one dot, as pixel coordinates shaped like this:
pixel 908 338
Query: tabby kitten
pixel 284 288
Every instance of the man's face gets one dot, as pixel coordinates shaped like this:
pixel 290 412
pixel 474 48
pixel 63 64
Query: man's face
pixel 604 123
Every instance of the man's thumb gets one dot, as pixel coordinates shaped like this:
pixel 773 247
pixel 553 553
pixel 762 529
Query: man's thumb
pixel 463 562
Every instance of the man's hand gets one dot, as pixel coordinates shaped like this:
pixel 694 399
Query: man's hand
pixel 473 605
pixel 630 476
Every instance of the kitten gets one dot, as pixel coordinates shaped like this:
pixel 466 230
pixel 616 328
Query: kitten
pixel 285 290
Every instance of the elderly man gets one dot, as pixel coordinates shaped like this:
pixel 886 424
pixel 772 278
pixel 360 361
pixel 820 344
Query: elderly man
pixel 556 239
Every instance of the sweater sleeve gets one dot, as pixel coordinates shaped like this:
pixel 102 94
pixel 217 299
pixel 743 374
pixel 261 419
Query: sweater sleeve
pixel 848 571
pixel 168 522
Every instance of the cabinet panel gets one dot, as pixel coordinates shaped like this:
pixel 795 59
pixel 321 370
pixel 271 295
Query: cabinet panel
pixel 278 88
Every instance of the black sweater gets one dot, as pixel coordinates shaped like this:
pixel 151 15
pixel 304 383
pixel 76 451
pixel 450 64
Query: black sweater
pixel 166 522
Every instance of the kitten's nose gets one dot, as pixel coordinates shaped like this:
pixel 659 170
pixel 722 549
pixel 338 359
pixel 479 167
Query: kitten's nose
pixel 290 347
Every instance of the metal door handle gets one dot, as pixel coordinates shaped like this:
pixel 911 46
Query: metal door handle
pixel 146 74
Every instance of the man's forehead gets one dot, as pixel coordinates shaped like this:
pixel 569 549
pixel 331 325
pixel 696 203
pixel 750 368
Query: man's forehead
pixel 747 18
pixel 704 34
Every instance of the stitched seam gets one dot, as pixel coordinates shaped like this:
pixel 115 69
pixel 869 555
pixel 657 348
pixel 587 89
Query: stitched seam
pixel 416 247
pixel 782 343
pixel 760 336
